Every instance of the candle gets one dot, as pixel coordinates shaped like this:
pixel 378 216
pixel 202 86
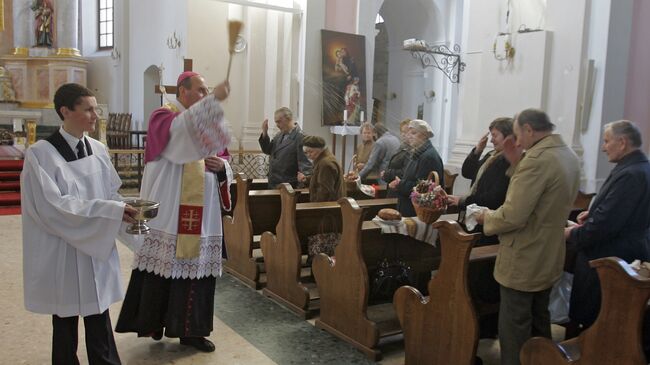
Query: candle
pixel 345 115
pixel 362 115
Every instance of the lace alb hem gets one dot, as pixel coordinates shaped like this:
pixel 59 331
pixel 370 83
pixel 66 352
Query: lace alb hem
pixel 158 255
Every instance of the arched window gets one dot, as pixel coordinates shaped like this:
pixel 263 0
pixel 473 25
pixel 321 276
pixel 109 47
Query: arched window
pixel 105 24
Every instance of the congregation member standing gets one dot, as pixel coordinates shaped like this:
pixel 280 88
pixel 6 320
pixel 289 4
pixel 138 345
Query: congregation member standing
pixel 71 215
pixel 423 159
pixel 326 183
pixel 287 161
pixel 385 147
pixel 171 291
pixel 363 152
pixel 488 175
pixel 618 221
pixel 398 161
pixel 530 225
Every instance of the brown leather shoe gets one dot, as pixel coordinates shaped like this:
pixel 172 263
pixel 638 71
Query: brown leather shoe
pixel 199 343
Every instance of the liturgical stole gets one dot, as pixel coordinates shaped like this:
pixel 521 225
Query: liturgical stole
pixel 190 210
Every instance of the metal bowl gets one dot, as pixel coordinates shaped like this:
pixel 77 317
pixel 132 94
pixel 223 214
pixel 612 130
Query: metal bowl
pixel 147 210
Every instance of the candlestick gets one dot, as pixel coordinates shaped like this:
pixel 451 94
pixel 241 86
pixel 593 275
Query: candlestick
pixel 345 115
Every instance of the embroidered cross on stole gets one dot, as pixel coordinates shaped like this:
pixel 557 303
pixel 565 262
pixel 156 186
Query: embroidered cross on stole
pixel 190 211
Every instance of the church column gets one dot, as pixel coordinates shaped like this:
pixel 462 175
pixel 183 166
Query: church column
pixel 22 27
pixel 67 24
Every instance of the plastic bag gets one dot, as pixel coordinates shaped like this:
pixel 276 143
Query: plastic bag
pixel 558 303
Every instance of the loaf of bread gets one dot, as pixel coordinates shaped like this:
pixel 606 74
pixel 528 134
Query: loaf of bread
pixel 389 214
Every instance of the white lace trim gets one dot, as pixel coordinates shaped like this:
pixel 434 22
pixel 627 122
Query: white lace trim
pixel 158 255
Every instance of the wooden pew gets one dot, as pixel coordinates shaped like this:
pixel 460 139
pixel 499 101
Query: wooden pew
pixel 443 327
pixel 344 285
pixel 255 212
pixel 283 251
pixel 615 337
pixel 259 184
pixel 450 179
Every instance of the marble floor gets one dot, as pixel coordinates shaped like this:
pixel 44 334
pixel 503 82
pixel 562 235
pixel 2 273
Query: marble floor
pixel 248 328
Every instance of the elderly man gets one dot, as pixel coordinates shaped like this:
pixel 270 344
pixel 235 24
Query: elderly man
pixel 618 222
pixel 287 162
pixel 172 285
pixel 530 225
pixel 385 147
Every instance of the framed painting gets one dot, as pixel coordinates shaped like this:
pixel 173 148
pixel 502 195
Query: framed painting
pixel 344 84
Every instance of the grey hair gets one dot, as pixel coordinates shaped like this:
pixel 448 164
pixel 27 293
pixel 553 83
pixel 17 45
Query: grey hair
pixel 536 119
pixel 286 112
pixel 367 125
pixel 627 129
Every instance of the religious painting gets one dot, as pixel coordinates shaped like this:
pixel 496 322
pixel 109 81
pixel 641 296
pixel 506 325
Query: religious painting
pixel 344 78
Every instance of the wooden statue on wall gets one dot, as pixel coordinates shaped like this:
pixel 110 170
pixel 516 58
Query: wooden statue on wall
pixel 43 13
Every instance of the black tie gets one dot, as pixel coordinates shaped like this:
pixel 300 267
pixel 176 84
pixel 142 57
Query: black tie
pixel 80 150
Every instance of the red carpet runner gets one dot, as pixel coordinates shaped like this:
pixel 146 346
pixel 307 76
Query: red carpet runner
pixel 11 164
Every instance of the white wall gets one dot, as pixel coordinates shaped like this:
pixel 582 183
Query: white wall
pixel 152 22
pixel 566 24
pixel 609 45
pixel 437 22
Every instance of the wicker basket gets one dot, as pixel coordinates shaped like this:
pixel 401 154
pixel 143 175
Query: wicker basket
pixel 427 215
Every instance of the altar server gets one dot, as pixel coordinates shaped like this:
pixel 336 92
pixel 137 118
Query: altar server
pixel 71 214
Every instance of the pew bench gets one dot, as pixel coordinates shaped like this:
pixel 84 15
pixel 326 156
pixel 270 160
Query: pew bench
pixel 615 337
pixel 442 328
pixel 284 251
pixel 255 212
pixel 344 283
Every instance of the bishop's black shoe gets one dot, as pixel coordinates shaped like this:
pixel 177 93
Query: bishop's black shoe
pixel 199 343
pixel 157 335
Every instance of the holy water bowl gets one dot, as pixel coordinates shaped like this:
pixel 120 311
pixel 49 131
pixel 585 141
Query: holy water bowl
pixel 147 210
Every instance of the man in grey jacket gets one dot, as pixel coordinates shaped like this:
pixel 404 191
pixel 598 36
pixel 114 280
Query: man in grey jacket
pixel 385 147
pixel 287 159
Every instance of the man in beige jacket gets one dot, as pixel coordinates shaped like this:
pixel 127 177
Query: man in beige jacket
pixel 530 225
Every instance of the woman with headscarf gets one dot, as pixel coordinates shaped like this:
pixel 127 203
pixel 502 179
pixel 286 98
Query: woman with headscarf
pixel 325 184
pixel 424 159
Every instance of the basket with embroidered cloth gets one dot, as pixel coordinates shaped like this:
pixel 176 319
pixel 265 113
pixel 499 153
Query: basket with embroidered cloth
pixel 429 199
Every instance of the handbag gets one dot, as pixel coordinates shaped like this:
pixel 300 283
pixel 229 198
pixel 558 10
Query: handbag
pixel 387 278
pixel 322 243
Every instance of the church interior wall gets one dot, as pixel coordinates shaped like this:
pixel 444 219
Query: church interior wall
pixel 615 69
pixel 576 31
pixel 151 22
pixel 638 76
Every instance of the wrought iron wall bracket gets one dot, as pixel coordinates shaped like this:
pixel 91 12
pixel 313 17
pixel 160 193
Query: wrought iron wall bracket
pixel 442 58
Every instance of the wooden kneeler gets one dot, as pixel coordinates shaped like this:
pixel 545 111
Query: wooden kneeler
pixel 343 286
pixel 615 337
pixel 238 236
pixel 443 327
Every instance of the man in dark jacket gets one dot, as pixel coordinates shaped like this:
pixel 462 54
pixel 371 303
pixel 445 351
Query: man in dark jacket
pixel 287 160
pixel 618 222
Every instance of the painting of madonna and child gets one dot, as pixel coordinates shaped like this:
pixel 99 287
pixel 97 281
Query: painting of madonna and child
pixel 344 84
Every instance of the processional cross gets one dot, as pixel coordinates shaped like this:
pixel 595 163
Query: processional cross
pixel 171 89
